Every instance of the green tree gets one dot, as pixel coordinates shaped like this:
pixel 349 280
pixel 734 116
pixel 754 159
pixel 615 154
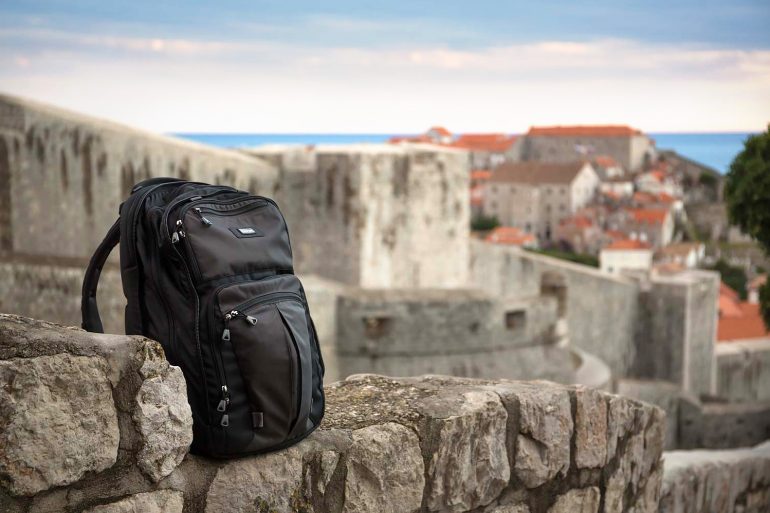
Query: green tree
pixel 747 192
pixel 734 277
pixel 484 223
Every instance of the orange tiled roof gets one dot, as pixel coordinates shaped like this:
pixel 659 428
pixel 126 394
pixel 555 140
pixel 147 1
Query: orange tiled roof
pixel 440 130
pixel 578 221
pixel 746 324
pixel 480 174
pixel 485 142
pixel 605 161
pixel 535 172
pixel 649 215
pixel 410 138
pixel 725 290
pixel 626 244
pixel 585 131
pixel 615 234
pixel 509 235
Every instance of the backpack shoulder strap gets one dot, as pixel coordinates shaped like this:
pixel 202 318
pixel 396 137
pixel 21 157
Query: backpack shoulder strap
pixel 90 311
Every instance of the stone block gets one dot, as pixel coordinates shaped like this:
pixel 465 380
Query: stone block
pixel 468 466
pixel 545 429
pixel 385 470
pixel 58 421
pixel 159 501
pixel 578 500
pixel 590 428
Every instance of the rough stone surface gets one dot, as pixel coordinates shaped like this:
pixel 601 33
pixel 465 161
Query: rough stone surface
pixel 579 500
pixel 590 428
pixel 57 421
pixel 159 501
pixel 543 444
pixel 384 470
pixel 734 480
pixel 425 444
pixel 271 482
pixel 469 467
pixel 163 419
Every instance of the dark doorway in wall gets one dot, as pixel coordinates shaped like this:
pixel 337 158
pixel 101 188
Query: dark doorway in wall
pixel 515 320
pixel 554 284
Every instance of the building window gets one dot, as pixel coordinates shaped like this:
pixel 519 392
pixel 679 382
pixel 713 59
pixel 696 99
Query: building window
pixel 548 208
pixel 561 207
pixel 515 320
pixel 548 190
pixel 494 188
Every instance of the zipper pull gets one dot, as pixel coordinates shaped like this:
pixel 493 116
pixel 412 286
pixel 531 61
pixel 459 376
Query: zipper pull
pixel 225 401
pixel 204 220
pixel 225 420
pixel 232 314
pixel 251 320
pixel 178 233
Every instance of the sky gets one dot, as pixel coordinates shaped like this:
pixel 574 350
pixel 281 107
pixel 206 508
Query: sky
pixel 393 67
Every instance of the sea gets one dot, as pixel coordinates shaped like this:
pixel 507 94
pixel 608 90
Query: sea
pixel 714 149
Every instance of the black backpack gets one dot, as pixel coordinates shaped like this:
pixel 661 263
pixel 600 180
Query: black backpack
pixel 207 271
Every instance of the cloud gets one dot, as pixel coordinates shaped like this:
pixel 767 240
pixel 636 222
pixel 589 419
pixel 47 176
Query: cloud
pixel 183 84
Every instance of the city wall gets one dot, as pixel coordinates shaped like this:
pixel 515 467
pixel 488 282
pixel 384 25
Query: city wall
pixel 743 371
pixel 418 444
pixel 729 481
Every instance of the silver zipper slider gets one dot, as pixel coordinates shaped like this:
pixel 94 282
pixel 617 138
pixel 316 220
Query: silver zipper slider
pixel 251 320
pixel 178 233
pixel 204 220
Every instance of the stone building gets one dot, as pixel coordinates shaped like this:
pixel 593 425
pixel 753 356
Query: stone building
pixel 631 148
pixel 626 255
pixel 536 197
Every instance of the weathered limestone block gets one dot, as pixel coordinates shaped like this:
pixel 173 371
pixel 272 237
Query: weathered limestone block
pixel 159 501
pixel 57 421
pixel 86 402
pixel 384 470
pixel 620 422
pixel 163 418
pixel 579 500
pixel 270 482
pixel 509 508
pixel 590 428
pixel 545 430
pixel 708 481
pixel 469 466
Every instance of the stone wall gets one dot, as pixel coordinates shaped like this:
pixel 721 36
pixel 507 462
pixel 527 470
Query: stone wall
pixel 731 481
pixel 743 371
pixel 718 425
pixel 377 216
pixel 598 307
pixel 387 445
pixel 63 175
pixel 660 328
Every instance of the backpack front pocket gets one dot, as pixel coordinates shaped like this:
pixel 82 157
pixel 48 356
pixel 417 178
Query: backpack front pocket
pixel 270 341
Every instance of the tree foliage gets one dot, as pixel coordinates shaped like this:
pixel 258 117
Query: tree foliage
pixel 747 192
pixel 734 277
pixel 484 223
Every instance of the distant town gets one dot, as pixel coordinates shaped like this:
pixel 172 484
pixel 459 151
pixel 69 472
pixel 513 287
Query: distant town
pixel 606 196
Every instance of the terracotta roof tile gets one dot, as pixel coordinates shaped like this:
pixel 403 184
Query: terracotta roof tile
pixel 747 325
pixel 626 244
pixel 536 172
pixel 440 130
pixel 649 215
pixel 584 131
pixel 510 235
pixel 485 142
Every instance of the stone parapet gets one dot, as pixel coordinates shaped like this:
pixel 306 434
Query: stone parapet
pixel 122 427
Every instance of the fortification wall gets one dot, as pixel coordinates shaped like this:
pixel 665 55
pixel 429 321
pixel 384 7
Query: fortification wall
pixel 386 445
pixel 600 309
pixel 63 175
pixel 730 481
pixel 377 216
pixel 663 328
pixel 743 371
pixel 714 425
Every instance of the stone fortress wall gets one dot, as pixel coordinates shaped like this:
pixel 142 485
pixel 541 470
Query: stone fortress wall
pixel 395 283
pixel 399 445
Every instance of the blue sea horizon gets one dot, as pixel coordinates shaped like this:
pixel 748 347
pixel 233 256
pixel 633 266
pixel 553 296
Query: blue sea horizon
pixel 714 149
